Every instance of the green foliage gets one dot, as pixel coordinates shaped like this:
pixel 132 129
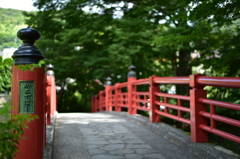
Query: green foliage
pixel 158 37
pixel 5 74
pixel 11 131
pixel 11 21
pixel 30 67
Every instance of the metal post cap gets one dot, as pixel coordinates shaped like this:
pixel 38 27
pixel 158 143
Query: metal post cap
pixel 108 82
pixel 131 68
pixel 27 53
pixel 28 35
pixel 132 73
pixel 50 71
pixel 50 67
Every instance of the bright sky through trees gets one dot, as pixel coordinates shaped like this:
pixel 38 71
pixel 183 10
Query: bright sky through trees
pixel 26 5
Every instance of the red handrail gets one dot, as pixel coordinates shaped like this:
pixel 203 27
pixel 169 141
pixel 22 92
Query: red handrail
pixel 141 82
pixel 171 80
pixel 232 82
pixel 122 85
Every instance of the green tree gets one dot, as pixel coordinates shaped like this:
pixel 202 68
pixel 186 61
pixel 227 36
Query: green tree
pixel 108 44
pixel 11 21
pixel 157 37
pixel 5 74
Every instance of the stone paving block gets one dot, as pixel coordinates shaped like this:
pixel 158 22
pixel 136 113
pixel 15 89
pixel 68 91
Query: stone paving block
pixel 127 137
pixel 155 156
pixel 97 142
pixel 144 151
pixel 120 152
pixel 92 146
pixel 94 139
pixel 135 141
pixel 113 147
pixel 109 137
pixel 96 151
pixel 137 146
pixel 133 156
pixel 107 157
pixel 115 141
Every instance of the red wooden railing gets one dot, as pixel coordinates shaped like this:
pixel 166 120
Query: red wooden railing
pixel 51 98
pixel 201 120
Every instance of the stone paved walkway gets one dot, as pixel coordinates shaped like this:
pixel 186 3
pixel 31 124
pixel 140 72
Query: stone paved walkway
pixel 106 136
pixel 113 141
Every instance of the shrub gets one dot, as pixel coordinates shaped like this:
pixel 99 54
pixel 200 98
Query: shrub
pixel 11 131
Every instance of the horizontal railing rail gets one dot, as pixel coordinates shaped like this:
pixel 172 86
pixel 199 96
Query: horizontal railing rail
pixel 171 80
pixel 232 82
pixel 141 82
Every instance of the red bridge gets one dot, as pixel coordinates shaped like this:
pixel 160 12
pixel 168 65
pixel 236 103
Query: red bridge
pixel 106 136
pixel 202 116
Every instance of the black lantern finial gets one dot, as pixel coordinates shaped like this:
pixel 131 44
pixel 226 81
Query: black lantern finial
pixel 27 53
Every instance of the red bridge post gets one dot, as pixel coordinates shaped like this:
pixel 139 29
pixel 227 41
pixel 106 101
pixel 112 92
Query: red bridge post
pixel 154 117
pixel 96 103
pixel 108 94
pixel 51 93
pixel 28 88
pixel 93 104
pixel 48 100
pixel 118 92
pixel 131 89
pixel 197 92
pixel 101 101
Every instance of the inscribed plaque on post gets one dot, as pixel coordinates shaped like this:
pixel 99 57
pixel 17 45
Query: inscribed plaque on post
pixel 26 96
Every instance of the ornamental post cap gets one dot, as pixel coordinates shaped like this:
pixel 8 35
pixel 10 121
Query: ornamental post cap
pixel 131 72
pixel 50 71
pixel 108 82
pixel 28 35
pixel 108 78
pixel 27 53
pixel 50 66
pixel 131 67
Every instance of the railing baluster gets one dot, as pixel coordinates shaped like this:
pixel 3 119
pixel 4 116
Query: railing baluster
pixel 197 92
pixel 154 117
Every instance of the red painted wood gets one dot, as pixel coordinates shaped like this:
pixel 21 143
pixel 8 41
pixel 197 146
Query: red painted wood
pixel 141 81
pixel 220 133
pixel 173 117
pixel 48 99
pixel 102 101
pixel 232 82
pixel 33 146
pixel 108 93
pixel 131 97
pixel 153 89
pixel 118 92
pixel 197 134
pixel 171 80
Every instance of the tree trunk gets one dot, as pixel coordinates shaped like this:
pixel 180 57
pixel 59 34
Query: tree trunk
pixel 184 69
pixel 174 64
